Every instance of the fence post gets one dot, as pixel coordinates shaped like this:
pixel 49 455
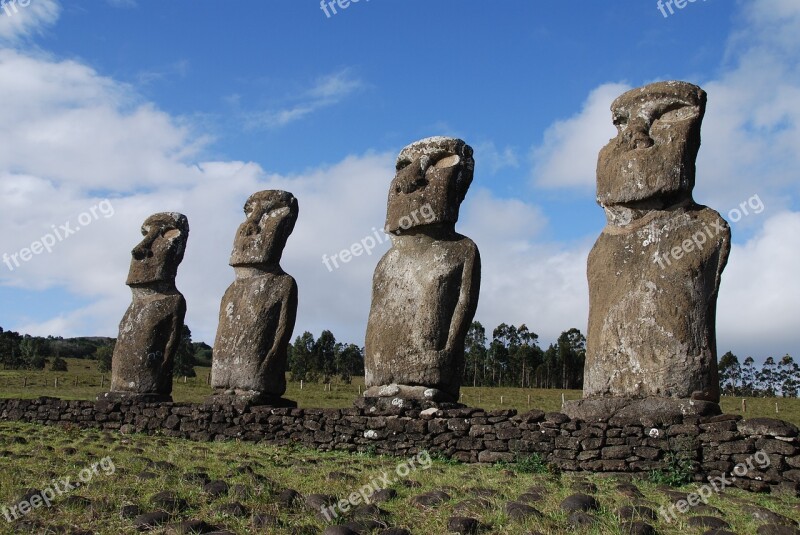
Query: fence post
pixel 744 405
pixel 102 380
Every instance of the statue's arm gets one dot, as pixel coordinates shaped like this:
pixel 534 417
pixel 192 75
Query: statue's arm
pixel 467 298
pixel 288 315
pixel 175 333
pixel 724 252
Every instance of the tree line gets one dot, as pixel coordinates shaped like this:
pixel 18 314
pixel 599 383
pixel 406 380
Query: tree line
pixel 26 352
pixel 773 379
pixel 324 358
pixel 513 357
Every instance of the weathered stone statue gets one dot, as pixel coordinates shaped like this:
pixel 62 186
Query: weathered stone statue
pixel 425 288
pixel 258 311
pixel 654 272
pixel 151 329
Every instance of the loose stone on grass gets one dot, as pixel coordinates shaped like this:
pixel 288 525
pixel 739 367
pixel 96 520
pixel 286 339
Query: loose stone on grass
pixel 707 522
pixel 521 511
pixel 149 521
pixel 215 489
pixel 579 502
pixel 635 512
pixel 430 499
pixel 289 499
pixel 191 527
pixel 383 495
pixel 637 528
pixel 580 520
pixel 463 525
pixel 233 509
pixel 339 530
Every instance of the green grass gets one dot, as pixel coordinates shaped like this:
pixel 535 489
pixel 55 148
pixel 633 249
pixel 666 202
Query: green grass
pixel 315 395
pixel 37 454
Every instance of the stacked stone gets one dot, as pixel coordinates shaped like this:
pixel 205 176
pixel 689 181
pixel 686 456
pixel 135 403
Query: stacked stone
pixel 621 443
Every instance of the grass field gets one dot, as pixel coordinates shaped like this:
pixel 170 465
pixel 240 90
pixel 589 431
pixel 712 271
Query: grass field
pixel 83 381
pixel 157 473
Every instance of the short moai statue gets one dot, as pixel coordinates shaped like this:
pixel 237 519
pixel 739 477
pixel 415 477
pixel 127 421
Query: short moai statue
pixel 258 310
pixel 151 330
pixel 425 288
pixel 654 272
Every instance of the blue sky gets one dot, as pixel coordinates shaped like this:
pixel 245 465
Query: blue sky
pixel 192 106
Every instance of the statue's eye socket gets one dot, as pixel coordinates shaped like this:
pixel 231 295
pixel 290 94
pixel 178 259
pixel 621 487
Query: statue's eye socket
pixel 620 120
pixel 676 112
pixel 447 161
pixel 402 164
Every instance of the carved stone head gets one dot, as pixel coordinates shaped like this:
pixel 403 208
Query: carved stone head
pixel 271 215
pixel 433 176
pixel 158 255
pixel 652 159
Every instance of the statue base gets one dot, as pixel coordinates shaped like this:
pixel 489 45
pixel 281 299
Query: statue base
pixel 249 398
pixel 650 411
pixel 133 397
pixel 395 397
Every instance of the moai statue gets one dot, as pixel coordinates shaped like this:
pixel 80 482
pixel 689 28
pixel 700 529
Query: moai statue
pixel 258 311
pixel 150 331
pixel 655 270
pixel 425 288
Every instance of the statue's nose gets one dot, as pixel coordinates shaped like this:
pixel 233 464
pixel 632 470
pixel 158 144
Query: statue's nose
pixel 637 135
pixel 250 228
pixel 145 248
pixel 412 177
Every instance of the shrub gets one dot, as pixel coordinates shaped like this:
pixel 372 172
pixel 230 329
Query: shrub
pixel 58 365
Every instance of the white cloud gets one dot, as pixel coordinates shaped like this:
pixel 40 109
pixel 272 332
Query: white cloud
pixel 567 157
pixel 18 22
pixel 63 121
pixel 758 306
pixel 326 91
pixel 524 278
pixel 494 159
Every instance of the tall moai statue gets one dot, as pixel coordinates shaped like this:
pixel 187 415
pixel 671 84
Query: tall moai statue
pixel 655 270
pixel 425 288
pixel 258 310
pixel 151 330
